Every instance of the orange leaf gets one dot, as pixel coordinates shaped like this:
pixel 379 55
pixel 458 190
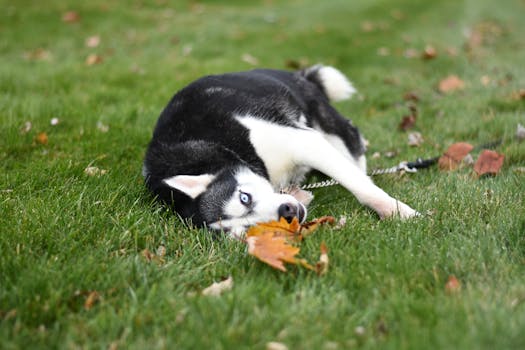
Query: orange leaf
pixel 271 249
pixel 454 155
pixel 453 285
pixel 489 162
pixel 322 265
pixel 42 138
pixel 278 228
pixel 309 227
pixel 451 83
pixel 91 299
pixel 93 59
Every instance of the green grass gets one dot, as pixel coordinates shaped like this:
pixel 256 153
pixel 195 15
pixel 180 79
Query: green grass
pixel 65 234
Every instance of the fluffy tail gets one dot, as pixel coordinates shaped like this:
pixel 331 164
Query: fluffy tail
pixel 331 81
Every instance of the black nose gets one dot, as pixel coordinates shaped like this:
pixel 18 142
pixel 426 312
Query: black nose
pixel 289 211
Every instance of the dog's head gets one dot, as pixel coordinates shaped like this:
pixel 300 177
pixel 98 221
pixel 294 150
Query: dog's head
pixel 236 198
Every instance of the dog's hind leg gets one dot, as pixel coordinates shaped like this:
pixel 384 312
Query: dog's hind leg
pixel 313 150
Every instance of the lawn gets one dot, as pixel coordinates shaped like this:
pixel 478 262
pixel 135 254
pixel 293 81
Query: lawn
pixel 82 84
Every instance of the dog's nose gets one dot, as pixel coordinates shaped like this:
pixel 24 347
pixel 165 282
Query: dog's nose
pixel 289 211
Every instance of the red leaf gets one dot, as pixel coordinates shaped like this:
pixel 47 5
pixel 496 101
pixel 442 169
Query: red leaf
pixel 489 162
pixel 453 285
pixel 454 155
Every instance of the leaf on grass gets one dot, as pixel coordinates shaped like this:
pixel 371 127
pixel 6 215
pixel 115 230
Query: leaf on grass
pixel 152 257
pixel 454 155
pixel 217 288
pixel 273 250
pixel 92 41
pixel 429 53
pixel 28 126
pixel 415 139
pixel 520 132
pixel 279 228
pixel 94 171
pixel 409 121
pixel 250 59
pixel 453 285
pixel 451 83
pixel 489 162
pixel 92 298
pixel 42 138
pixel 271 242
pixel 273 345
pixel 322 265
pixel 309 227
pixel 70 17
pixel 93 59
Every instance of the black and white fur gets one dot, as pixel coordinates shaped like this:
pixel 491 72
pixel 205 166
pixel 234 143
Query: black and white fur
pixel 226 144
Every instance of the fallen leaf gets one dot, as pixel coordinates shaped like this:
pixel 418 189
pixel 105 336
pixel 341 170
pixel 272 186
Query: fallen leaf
pixel 91 299
pixel 161 251
pixel 92 41
pixel 26 127
pixel 309 227
pixel 407 122
pixel 273 250
pixel 42 138
pixel 273 345
pixel 450 84
pixel 279 228
pixel 94 171
pixel 520 132
pixel 102 127
pixel 485 80
pixel 217 288
pixel 454 155
pixel 38 54
pixel 411 96
pixel 429 53
pixel 453 285
pixel 489 162
pixel 411 53
pixel 415 139
pixel 93 59
pixel 70 17
pixel 249 59
pixel 322 265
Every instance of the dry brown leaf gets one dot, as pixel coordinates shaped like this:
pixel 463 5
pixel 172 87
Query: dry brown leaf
pixel 415 139
pixel 409 121
pixel 453 285
pixel 411 96
pixel 91 299
pixel 217 288
pixel 28 126
pixel 152 257
pixel 454 155
pixel 42 138
pixel 273 250
pixel 429 53
pixel 489 162
pixel 92 41
pixel 451 83
pixel 273 345
pixel 94 171
pixel 322 265
pixel 70 17
pixel 93 59
pixel 520 132
pixel 309 227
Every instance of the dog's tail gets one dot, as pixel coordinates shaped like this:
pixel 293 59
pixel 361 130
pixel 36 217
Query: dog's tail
pixel 331 81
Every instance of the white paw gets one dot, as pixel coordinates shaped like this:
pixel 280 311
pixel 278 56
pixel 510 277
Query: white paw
pixel 400 210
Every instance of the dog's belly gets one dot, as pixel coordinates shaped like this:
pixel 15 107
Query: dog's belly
pixel 274 144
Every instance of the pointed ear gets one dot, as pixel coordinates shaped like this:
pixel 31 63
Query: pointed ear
pixel 192 185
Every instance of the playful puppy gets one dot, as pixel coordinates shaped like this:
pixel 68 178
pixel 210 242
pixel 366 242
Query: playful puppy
pixel 226 144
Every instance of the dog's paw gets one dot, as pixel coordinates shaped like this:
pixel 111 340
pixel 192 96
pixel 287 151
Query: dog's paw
pixel 398 209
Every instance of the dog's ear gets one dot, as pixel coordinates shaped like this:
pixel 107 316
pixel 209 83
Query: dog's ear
pixel 192 185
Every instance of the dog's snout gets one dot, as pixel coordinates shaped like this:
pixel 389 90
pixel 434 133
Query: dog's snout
pixel 289 211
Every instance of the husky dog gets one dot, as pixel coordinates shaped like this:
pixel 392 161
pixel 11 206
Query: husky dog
pixel 226 144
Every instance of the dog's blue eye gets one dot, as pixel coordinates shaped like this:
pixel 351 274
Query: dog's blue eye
pixel 245 198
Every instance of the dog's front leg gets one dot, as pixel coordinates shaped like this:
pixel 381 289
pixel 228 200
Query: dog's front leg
pixel 313 150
